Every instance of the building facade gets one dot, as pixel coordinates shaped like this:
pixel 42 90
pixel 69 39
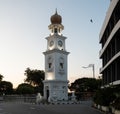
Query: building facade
pixel 56 82
pixel 110 45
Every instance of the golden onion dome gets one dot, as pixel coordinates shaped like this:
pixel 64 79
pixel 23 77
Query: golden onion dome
pixel 56 19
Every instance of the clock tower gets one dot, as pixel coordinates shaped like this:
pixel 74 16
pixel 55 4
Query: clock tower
pixel 56 83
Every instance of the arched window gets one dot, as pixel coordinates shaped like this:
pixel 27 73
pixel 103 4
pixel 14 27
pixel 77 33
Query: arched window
pixel 49 65
pixel 61 65
pixel 55 30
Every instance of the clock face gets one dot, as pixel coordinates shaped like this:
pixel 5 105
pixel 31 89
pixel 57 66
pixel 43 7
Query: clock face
pixel 51 43
pixel 60 43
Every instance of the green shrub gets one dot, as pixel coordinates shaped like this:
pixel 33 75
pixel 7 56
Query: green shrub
pixel 116 103
pixel 104 96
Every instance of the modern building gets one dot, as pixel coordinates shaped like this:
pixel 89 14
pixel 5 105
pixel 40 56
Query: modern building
pixel 56 82
pixel 110 43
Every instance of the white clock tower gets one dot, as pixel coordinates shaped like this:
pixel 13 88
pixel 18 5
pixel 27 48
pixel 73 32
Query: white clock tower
pixel 56 83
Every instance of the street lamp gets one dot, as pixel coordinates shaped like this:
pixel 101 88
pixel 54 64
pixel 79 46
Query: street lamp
pixel 93 68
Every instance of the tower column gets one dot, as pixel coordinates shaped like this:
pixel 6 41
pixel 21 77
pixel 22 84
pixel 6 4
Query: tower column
pixel 56 82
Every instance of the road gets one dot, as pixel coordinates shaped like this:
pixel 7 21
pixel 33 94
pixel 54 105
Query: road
pixel 27 108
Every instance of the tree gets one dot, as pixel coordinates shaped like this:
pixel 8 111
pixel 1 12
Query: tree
pixel 82 86
pixel 1 77
pixel 35 78
pixel 6 87
pixel 25 88
pixel 85 84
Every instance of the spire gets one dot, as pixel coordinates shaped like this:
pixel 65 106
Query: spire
pixel 56 11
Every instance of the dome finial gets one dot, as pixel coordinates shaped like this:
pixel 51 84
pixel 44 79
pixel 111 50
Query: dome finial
pixel 56 11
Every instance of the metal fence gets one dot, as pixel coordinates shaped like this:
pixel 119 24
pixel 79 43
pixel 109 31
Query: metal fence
pixel 18 98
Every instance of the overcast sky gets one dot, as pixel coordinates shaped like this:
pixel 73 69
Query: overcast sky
pixel 24 26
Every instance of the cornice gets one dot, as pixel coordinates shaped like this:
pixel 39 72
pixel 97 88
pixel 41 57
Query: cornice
pixel 56 50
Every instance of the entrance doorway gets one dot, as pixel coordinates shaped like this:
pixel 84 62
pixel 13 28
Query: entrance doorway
pixel 47 92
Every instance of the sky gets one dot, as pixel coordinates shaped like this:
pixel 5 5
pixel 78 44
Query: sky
pixel 24 27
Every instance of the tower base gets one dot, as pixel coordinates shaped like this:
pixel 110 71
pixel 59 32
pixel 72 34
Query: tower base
pixel 55 90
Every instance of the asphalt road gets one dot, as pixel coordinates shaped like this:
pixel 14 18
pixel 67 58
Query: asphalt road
pixel 22 108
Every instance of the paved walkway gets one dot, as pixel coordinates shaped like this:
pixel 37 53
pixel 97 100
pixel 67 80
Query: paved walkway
pixel 27 108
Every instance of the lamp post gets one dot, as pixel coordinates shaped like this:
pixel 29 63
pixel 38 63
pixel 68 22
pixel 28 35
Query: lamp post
pixel 93 68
